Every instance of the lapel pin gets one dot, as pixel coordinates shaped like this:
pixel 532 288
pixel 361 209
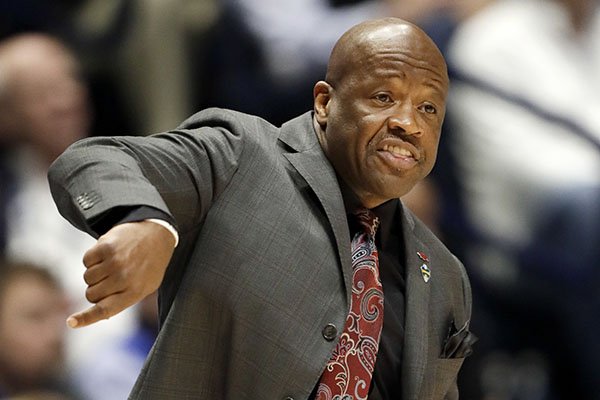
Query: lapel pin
pixel 425 272
pixel 423 256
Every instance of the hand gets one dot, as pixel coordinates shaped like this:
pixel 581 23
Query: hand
pixel 125 265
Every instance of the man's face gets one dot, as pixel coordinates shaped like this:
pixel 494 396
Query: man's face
pixel 52 104
pixel 383 118
pixel 46 103
pixel 32 328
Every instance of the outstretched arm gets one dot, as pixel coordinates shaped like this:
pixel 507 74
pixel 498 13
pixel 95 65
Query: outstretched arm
pixel 98 183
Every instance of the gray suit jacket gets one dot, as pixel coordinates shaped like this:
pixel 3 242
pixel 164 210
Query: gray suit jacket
pixel 263 265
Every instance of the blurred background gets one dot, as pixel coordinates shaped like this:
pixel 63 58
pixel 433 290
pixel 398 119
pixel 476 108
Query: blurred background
pixel 515 193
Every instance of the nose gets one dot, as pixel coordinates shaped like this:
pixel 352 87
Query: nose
pixel 403 119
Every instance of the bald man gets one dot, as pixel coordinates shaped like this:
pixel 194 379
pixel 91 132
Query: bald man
pixel 247 230
pixel 43 102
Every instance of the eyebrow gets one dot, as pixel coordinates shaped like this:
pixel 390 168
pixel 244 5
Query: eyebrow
pixel 436 84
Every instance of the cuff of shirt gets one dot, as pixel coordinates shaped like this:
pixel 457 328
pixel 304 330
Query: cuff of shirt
pixel 167 225
pixel 121 215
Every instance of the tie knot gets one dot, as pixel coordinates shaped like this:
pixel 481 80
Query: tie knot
pixel 367 220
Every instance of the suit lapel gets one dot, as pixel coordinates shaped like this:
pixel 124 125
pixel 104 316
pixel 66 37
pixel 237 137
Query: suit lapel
pixel 417 313
pixel 310 162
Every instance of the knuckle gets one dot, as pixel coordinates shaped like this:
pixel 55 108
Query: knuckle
pixel 119 260
pixel 108 248
pixel 120 273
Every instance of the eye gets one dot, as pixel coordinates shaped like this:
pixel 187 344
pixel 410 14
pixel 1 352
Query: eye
pixel 428 108
pixel 383 98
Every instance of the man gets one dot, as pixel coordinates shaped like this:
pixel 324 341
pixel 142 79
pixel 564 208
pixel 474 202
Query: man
pixel 32 337
pixel 257 293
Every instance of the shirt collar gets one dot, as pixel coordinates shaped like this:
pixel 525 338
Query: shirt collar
pixel 386 212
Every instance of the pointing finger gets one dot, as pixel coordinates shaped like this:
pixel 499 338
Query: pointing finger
pixel 104 309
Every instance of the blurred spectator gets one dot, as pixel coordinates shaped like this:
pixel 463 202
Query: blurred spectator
pixel 523 130
pixel 137 55
pixel 155 68
pixel 110 372
pixel 61 19
pixel 122 51
pixel 44 108
pixel 44 103
pixel 33 309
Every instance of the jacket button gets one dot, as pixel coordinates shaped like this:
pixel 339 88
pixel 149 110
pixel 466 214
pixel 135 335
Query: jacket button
pixel 289 398
pixel 329 332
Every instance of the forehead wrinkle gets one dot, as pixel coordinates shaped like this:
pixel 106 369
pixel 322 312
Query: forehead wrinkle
pixel 391 56
pixel 384 64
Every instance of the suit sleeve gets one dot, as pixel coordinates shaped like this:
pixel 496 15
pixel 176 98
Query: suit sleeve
pixel 178 173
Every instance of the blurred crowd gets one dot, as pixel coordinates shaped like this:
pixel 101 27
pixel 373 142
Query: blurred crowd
pixel 515 193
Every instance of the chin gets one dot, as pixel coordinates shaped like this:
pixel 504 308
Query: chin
pixel 393 189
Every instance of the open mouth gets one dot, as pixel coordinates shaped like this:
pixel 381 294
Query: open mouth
pixel 398 151
pixel 398 154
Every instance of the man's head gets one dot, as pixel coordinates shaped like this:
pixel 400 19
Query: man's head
pixel 32 330
pixel 380 111
pixel 42 100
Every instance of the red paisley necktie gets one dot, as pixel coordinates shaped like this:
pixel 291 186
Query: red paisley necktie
pixel 348 373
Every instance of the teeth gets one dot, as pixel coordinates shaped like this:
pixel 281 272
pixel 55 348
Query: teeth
pixel 396 150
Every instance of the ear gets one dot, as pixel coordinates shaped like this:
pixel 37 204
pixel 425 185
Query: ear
pixel 322 97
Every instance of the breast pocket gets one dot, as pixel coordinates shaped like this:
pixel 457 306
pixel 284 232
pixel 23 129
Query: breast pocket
pixel 444 375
